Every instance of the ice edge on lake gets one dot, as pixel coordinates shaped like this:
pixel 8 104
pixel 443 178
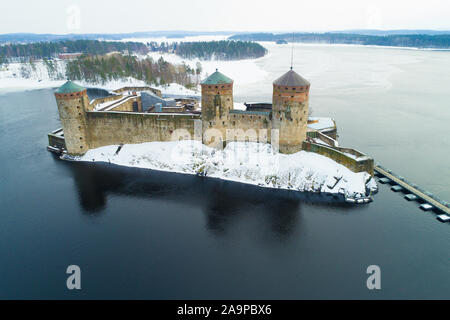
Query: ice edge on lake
pixel 244 162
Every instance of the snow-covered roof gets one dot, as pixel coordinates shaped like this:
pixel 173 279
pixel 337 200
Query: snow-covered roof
pixel 321 123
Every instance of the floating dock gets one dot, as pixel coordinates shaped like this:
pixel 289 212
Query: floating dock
pixel 414 191
pixel 411 197
pixel 396 188
pixel 443 218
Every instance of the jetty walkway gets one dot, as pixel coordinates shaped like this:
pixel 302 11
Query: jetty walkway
pixel 413 189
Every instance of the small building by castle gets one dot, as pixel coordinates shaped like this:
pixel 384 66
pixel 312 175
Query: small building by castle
pixel 133 115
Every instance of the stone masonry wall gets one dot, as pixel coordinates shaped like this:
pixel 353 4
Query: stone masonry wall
pixel 255 127
pixel 109 128
pixel 217 101
pixel 356 165
pixel 72 110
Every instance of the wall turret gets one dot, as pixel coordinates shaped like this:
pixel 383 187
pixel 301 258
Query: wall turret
pixel 217 101
pixel 73 102
pixel 290 110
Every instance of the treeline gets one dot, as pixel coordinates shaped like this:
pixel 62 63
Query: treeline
pixel 47 50
pixel 212 50
pixel 100 69
pixel 441 41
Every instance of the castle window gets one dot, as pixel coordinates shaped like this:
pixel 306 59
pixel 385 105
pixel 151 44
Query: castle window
pixel 81 138
pixel 234 123
pixel 81 147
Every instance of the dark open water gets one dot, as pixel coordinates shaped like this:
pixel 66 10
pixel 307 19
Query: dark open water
pixel 145 234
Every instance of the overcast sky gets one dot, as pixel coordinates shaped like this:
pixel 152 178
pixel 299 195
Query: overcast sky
pixel 101 16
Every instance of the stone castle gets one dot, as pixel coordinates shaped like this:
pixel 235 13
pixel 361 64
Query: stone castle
pixel 139 114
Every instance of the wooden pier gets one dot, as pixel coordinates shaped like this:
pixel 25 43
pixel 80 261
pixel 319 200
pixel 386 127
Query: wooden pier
pixel 413 189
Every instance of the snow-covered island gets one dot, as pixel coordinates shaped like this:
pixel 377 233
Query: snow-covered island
pixel 244 162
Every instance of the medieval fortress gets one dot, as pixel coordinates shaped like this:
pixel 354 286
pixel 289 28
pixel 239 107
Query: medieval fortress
pixel 134 115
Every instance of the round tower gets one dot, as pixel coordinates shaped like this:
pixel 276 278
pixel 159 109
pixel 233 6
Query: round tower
pixel 73 102
pixel 290 104
pixel 217 101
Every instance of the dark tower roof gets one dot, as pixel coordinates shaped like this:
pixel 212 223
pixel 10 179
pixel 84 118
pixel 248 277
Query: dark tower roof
pixel 291 79
pixel 217 78
pixel 70 87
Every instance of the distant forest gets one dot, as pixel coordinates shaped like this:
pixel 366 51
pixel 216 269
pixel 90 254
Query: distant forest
pixel 46 50
pixel 100 69
pixel 441 41
pixel 212 50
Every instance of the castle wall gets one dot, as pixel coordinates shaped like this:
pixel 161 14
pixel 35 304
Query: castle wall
pixel 97 101
pixel 350 158
pixel 56 140
pixel 127 105
pixel 138 89
pixel 109 128
pixel 249 126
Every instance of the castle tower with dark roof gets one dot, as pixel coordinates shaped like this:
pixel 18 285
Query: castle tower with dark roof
pixel 73 102
pixel 217 101
pixel 290 104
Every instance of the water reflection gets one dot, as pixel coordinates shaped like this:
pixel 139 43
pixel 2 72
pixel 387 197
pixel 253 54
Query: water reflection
pixel 225 204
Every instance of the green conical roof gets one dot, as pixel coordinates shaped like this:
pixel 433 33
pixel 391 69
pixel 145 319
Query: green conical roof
pixel 70 87
pixel 217 78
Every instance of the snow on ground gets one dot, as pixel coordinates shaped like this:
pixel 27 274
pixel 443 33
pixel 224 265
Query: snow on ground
pixel 11 79
pixel 241 71
pixel 251 163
